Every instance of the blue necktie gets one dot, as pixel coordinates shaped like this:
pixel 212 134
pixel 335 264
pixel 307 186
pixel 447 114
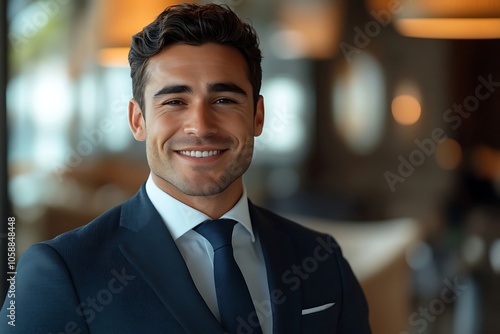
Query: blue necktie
pixel 235 304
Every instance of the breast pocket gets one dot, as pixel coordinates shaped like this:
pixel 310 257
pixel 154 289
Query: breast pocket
pixel 321 319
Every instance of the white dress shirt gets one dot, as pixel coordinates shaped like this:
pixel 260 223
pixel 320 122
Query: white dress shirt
pixel 197 251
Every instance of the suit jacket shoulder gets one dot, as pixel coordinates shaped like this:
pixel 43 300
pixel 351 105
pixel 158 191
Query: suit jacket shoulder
pixel 123 273
pixel 287 226
pixel 314 271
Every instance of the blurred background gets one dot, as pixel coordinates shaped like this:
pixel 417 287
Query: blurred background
pixel 382 127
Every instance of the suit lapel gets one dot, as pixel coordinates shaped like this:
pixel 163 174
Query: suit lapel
pixel 153 252
pixel 279 255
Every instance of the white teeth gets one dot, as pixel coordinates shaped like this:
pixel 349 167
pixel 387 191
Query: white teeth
pixel 200 154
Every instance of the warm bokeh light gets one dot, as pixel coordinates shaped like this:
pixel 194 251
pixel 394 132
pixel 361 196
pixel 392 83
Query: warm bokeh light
pixel 486 162
pixel 114 39
pixel 113 57
pixel 406 109
pixel 449 154
pixel 120 19
pixel 449 19
pixel 309 29
pixel 449 28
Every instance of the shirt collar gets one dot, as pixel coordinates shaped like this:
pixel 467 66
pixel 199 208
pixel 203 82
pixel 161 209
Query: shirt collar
pixel 180 218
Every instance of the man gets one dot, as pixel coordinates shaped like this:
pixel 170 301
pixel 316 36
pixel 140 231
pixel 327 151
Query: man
pixel 151 264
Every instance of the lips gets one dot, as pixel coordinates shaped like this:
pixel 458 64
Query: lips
pixel 200 154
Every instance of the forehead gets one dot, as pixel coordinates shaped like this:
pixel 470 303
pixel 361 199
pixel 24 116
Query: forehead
pixel 197 64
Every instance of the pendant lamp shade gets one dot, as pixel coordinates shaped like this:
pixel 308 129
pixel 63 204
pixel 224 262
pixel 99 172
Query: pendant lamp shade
pixel 443 19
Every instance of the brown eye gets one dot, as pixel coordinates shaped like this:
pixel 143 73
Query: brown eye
pixel 224 101
pixel 172 102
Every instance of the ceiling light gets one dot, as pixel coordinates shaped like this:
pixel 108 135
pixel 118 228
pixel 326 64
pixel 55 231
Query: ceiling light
pixel 449 19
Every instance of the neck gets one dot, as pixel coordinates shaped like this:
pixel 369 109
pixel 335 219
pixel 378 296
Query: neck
pixel 214 206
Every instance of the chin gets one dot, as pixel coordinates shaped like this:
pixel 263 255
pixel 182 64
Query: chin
pixel 200 186
pixel 206 190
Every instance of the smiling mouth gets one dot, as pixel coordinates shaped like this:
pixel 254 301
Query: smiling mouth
pixel 200 154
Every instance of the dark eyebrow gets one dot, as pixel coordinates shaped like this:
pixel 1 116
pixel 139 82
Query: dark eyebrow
pixel 226 87
pixel 173 89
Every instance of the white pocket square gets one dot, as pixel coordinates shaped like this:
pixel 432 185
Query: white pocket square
pixel 317 308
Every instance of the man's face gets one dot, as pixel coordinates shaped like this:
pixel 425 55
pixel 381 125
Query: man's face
pixel 199 122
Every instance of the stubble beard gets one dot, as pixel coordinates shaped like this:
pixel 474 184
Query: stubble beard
pixel 205 185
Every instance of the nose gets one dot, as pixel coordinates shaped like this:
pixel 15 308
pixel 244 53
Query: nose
pixel 201 121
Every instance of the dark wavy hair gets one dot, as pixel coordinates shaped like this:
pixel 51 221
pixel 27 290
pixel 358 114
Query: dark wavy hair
pixel 194 25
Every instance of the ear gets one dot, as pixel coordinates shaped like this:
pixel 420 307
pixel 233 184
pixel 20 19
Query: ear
pixel 259 117
pixel 136 120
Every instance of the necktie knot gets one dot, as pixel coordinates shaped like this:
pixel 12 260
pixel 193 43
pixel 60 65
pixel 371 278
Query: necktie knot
pixel 218 232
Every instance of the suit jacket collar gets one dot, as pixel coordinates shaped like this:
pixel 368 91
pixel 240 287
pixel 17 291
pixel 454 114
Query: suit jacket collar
pixel 279 255
pixel 153 252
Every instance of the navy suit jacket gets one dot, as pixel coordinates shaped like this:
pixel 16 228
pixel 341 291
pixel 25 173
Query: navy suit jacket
pixel 123 273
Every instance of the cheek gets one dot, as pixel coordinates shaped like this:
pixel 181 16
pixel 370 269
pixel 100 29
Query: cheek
pixel 241 126
pixel 160 130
